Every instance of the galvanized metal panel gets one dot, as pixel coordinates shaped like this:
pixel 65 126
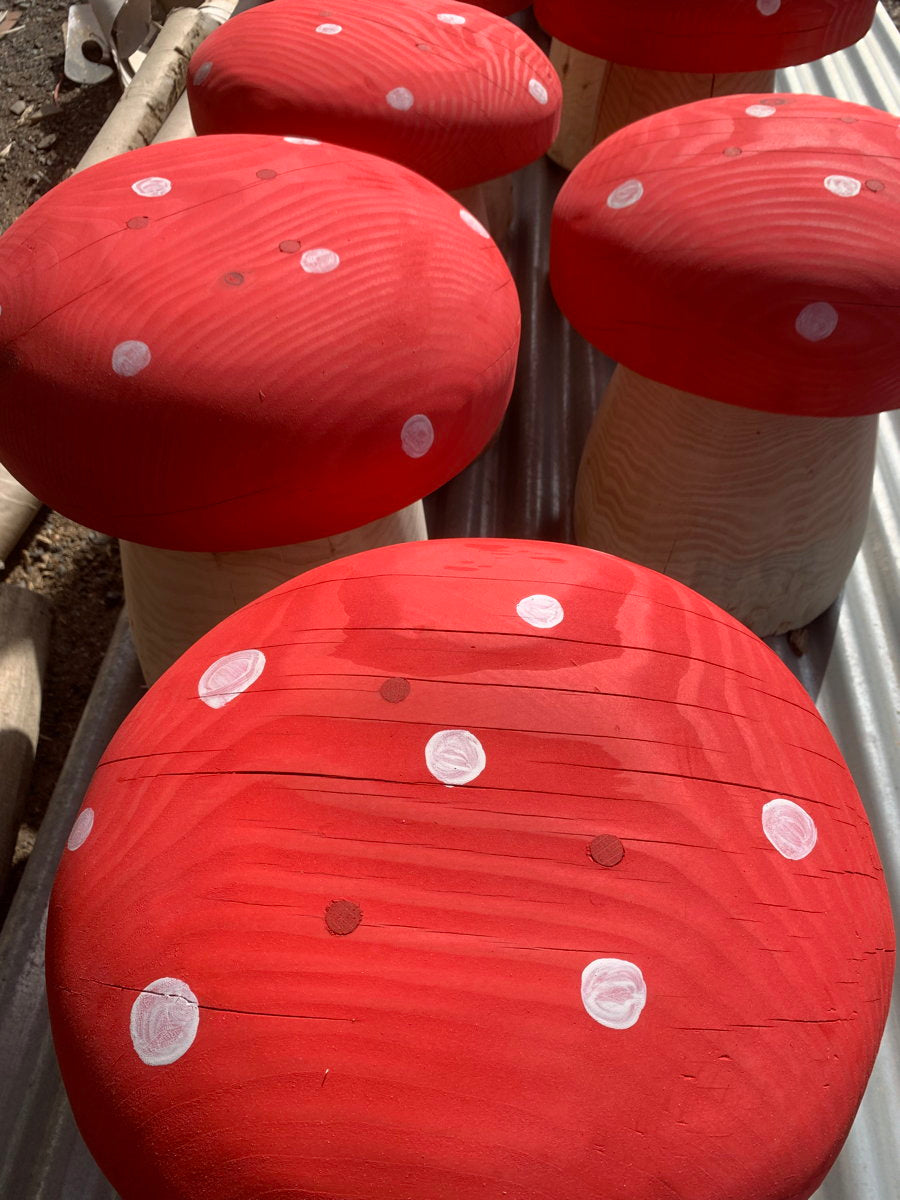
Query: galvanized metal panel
pixel 522 487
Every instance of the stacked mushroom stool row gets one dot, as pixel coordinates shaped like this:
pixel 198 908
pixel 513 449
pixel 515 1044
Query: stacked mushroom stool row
pixel 620 62
pixel 269 341
pixel 469 868
pixel 739 258
pixel 454 92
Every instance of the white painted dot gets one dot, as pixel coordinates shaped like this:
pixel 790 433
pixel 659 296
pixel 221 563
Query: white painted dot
pixel 625 194
pixel 451 18
pixel 329 29
pixel 319 261
pixel 164 1021
pixel 417 436
pixel 543 612
pixel 128 358
pixel 789 828
pixel 537 91
pixel 294 141
pixel 455 756
pixel 229 676
pixel 816 322
pixel 473 222
pixel 80 831
pixel 202 73
pixel 153 185
pixel 843 185
pixel 400 98
pixel 613 992
pixel 768 8
pixel 760 110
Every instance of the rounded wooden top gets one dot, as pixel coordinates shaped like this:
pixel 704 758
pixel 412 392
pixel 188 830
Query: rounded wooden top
pixel 745 249
pixel 707 35
pixel 235 342
pixel 453 91
pixel 585 900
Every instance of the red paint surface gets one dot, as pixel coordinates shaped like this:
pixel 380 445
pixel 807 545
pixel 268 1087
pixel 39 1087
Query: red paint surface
pixel 273 405
pixel 700 283
pixel 468 113
pixel 706 35
pixel 441 1051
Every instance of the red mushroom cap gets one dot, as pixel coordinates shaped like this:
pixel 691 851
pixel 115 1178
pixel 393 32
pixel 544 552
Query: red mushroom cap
pixel 745 249
pixel 465 868
pixel 448 89
pixel 236 342
pixel 707 35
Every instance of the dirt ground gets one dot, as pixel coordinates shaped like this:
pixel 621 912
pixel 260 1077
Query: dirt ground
pixel 46 123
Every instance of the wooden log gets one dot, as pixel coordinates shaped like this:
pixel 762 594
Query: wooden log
pixel 761 513
pixel 600 97
pixel 24 637
pixel 17 510
pixel 173 597
pixel 158 83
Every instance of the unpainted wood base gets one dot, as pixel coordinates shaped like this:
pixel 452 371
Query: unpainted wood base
pixel 175 596
pixel 17 510
pixel 600 97
pixel 761 513
pixel 24 639
pixel 492 204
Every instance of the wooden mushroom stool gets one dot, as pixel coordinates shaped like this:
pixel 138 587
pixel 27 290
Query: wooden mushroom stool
pixel 620 62
pixel 465 868
pixel 222 345
pixel 453 91
pixel 739 257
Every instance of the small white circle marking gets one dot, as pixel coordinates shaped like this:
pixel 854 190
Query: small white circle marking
pixel 400 98
pixel 153 185
pixel 817 321
pixel 81 829
pixel 455 756
pixel 129 358
pixel 417 435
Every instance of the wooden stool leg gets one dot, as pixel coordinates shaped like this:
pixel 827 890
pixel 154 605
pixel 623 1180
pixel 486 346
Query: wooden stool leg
pixel 759 512
pixel 175 596
pixel 600 97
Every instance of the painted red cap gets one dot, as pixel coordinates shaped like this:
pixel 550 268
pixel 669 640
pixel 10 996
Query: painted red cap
pixel 745 249
pixel 452 91
pixel 707 35
pixel 235 342
pixel 310 938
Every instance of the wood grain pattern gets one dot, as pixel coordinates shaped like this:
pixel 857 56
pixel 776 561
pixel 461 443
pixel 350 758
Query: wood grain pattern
pixel 24 638
pixel 600 97
pixel 458 94
pixel 742 248
pixel 707 35
pixel 458 1042
pixel 269 341
pixel 173 597
pixel 762 513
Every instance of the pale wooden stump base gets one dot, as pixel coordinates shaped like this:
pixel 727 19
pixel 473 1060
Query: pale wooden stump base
pixel 173 597
pixel 600 97
pixel 761 513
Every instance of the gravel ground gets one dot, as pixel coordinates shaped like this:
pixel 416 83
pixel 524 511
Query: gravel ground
pixel 46 123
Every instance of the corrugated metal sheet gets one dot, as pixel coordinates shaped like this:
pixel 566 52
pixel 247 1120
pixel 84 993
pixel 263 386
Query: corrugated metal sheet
pixel 522 487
